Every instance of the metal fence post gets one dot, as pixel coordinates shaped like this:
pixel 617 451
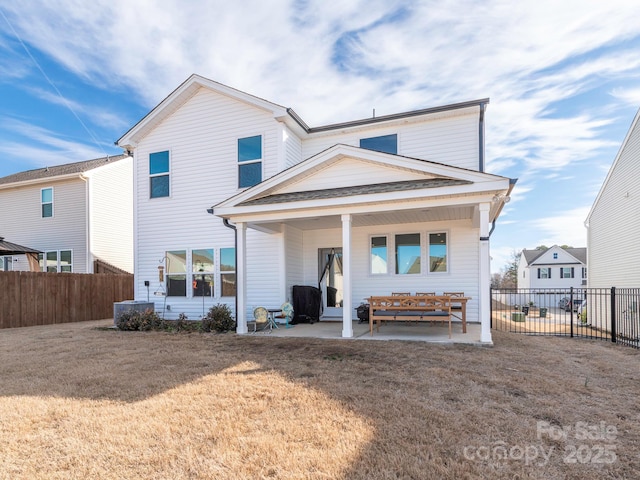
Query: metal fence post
pixel 613 315
pixel 571 310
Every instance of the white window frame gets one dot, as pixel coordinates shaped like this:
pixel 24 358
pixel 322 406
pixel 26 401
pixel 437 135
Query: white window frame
pixel 42 261
pixel 395 254
pixel 428 253
pixel 387 246
pixel 161 174
pixel 42 203
pixel 250 162
pixel 562 272
pixel 168 273
pixel 193 273
pixel 6 263
pixel 547 273
pixel 221 272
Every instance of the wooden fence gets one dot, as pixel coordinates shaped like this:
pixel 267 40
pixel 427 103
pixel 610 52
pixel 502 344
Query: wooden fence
pixel 39 298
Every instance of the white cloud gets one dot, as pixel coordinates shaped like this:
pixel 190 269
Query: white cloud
pixel 564 229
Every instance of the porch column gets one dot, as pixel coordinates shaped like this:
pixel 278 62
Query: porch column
pixel 347 324
pixel 241 278
pixel 484 280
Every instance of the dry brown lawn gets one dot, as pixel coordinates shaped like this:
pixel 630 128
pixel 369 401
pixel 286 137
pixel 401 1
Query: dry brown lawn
pixel 77 401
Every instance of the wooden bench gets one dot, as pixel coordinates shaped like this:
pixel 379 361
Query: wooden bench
pixel 409 308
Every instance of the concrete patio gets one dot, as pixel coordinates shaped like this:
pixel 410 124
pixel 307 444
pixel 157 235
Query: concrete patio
pixel 410 331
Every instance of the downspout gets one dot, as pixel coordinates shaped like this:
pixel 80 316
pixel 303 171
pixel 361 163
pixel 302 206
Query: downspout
pixel 226 223
pixel 483 106
pixel 87 234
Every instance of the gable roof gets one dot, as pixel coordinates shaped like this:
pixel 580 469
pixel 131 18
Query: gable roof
pixel 374 178
pixel 190 87
pixel 580 254
pixel 630 133
pixel 59 170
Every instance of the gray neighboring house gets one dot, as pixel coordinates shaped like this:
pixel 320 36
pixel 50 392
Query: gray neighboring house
pixel 78 215
pixel 613 224
pixel 555 267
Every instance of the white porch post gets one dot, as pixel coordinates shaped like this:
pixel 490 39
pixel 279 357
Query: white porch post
pixel 347 324
pixel 484 280
pixel 241 278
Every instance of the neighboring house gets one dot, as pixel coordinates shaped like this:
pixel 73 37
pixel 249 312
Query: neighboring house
pixel 397 203
pixel 555 267
pixel 613 224
pixel 75 214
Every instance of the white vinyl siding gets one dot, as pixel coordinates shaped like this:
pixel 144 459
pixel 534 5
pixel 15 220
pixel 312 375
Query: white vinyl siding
pixel 67 229
pixel 293 148
pixel 452 140
pixel 463 262
pixel 111 213
pixel 203 136
pixel 614 229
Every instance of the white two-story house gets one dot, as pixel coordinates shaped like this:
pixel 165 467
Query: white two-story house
pixel 237 200
pixel 78 215
pixel 554 268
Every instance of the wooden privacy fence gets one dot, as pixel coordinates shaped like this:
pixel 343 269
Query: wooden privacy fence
pixel 40 298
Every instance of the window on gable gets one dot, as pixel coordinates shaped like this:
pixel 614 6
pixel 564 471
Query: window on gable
pixel 408 253
pixel 555 255
pixel 176 273
pixel 378 255
pixel 438 252
pixel 46 199
pixel 384 143
pixel 249 161
pixel 159 174
pixel 202 271
pixel 228 272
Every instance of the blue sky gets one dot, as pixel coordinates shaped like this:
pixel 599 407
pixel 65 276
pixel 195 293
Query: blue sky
pixel 563 79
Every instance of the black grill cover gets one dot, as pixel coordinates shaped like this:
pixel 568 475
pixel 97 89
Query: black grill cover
pixel 307 302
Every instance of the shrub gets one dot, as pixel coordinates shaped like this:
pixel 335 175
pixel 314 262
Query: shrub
pixel 135 320
pixel 218 319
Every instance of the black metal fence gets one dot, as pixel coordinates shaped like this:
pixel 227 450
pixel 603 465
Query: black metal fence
pixel 601 313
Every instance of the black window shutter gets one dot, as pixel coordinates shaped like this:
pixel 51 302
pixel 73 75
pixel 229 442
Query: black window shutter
pixel 538 273
pixel 572 272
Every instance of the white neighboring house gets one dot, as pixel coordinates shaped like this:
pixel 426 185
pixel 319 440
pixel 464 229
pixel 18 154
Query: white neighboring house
pixel 77 214
pixel 555 267
pixel 402 200
pixel 613 224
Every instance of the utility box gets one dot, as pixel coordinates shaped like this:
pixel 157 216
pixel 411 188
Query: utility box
pixel 517 317
pixel 128 305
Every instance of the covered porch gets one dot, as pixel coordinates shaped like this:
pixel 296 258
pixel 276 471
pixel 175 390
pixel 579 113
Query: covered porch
pixel 419 332
pixel 359 201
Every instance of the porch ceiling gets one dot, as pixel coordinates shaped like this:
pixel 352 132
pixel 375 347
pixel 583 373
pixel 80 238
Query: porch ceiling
pixel 450 213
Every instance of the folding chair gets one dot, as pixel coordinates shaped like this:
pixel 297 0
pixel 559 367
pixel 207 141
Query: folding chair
pixel 261 316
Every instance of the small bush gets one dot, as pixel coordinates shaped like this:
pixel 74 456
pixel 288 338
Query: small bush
pixel 135 320
pixel 218 319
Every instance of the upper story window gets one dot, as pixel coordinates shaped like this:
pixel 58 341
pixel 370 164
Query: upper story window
pixel 555 255
pixel 249 161
pixel 384 143
pixel 584 272
pixel 438 252
pixel 46 199
pixel 159 174
pixel 566 272
pixel 408 253
pixel 544 272
pixel 378 255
